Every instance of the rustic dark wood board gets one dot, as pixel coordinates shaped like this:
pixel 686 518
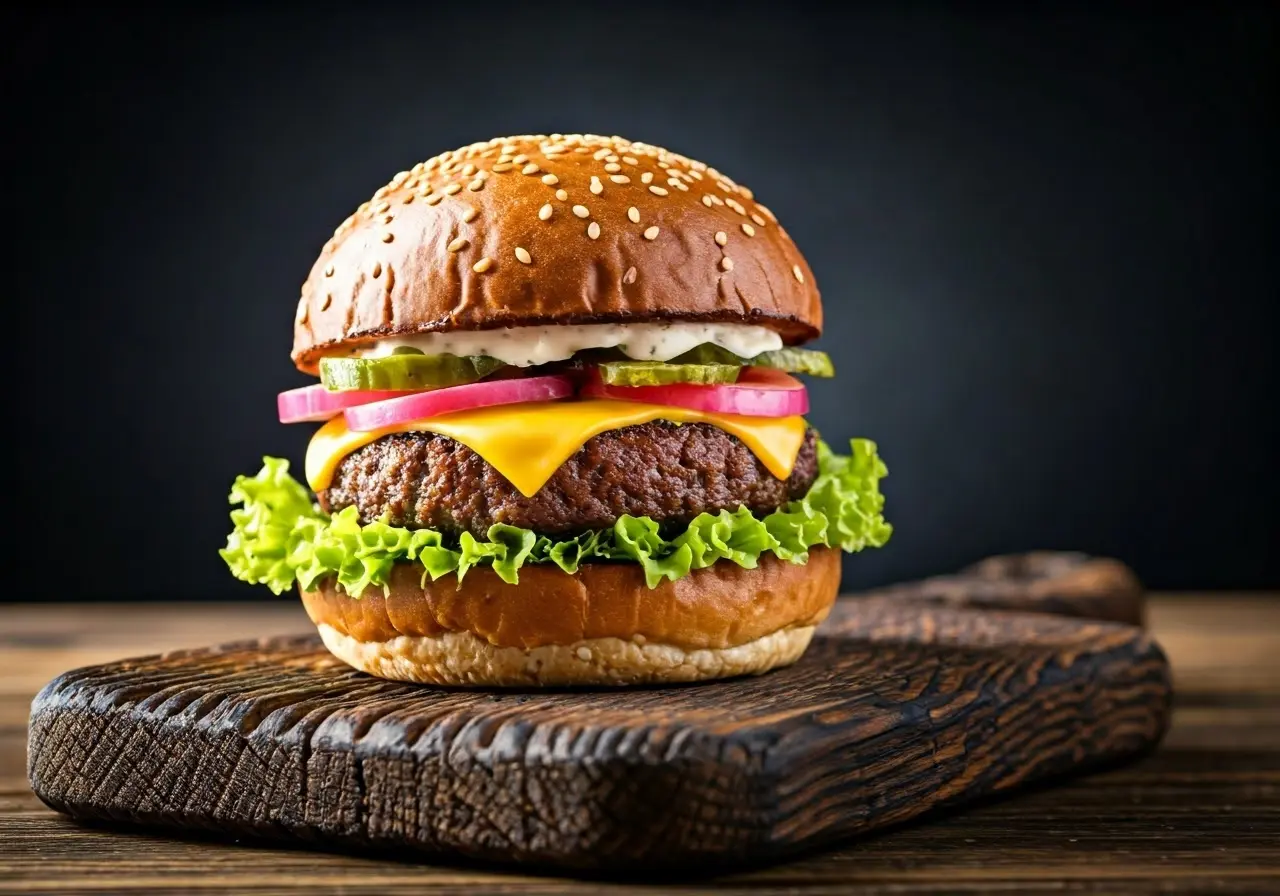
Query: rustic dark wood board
pixel 904 704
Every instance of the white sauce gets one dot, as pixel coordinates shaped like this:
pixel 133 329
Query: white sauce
pixel 527 346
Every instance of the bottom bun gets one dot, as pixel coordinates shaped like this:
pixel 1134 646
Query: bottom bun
pixel 600 625
pixel 461 658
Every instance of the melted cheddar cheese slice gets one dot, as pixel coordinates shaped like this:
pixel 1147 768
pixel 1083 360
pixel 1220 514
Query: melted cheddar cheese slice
pixel 528 442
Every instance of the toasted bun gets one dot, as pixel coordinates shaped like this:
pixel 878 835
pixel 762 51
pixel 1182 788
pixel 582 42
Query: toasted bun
pixel 602 625
pixel 488 236
pixel 459 658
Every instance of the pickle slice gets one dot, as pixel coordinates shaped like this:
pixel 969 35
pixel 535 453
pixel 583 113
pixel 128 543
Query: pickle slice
pixel 796 360
pixel 708 353
pixel 658 373
pixel 403 371
pixel 792 360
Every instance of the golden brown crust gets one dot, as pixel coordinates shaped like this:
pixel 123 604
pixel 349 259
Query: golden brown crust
pixel 460 658
pixel 717 607
pixel 436 249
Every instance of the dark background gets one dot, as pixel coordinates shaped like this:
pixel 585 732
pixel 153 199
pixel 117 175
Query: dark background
pixel 1047 244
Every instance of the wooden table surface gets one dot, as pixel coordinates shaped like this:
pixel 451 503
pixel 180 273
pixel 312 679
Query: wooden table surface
pixel 1200 815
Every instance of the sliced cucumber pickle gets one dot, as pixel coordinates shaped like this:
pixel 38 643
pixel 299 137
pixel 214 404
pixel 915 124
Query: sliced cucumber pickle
pixel 658 373
pixel 403 371
pixel 708 353
pixel 796 360
pixel 790 360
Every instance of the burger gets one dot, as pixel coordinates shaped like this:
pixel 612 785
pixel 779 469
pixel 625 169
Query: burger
pixel 563 437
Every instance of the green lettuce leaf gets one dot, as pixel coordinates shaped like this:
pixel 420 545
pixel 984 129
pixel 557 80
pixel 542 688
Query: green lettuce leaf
pixel 281 538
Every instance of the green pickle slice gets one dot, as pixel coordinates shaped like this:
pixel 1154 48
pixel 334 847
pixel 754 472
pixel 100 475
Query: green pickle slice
pixel 404 371
pixel 660 373
pixel 792 360
pixel 797 360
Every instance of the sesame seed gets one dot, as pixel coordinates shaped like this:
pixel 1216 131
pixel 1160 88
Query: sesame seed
pixel 619 178
pixel 545 212
pixel 581 211
pixel 651 233
pixel 768 214
pixel 745 192
pixel 634 214
pixel 748 229
pixel 656 190
pixel 612 167
pixel 706 200
pixel 736 206
pixel 381 207
pixel 326 301
pixel 520 159
pixel 795 269
pixel 680 185
pixel 721 238
pixel 593 230
pixel 468 169
pixel 716 200
pixel 470 214
pixel 602 153
pixel 550 180
pixel 377 269
pixel 482 265
pixel 452 189
pixel 529 169
pixel 596 186
pixel 523 254
pixel 432 198
pixel 407 199
pixel 584 653
pixel 562 195
pixel 458 244
pixel 629 276
pixel 646 177
pixel 387 237
pixel 631 160
pixel 673 182
pixel 502 166
pixel 758 219
pixel 328 270
pixel 476 185
pixel 726 263
pixel 553 150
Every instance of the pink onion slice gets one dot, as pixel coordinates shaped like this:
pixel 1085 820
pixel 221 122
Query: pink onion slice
pixel 423 405
pixel 311 404
pixel 759 392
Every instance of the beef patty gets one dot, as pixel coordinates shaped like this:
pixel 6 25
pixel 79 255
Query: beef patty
pixel 668 472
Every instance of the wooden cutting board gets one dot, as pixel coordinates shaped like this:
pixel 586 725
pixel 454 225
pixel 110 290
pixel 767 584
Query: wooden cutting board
pixel 911 699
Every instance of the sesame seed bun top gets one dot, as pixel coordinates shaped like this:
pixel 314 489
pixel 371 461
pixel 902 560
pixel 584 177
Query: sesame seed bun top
pixel 566 228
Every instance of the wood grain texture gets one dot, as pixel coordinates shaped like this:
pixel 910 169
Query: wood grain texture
pixel 1058 582
pixel 896 710
pixel 1199 815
